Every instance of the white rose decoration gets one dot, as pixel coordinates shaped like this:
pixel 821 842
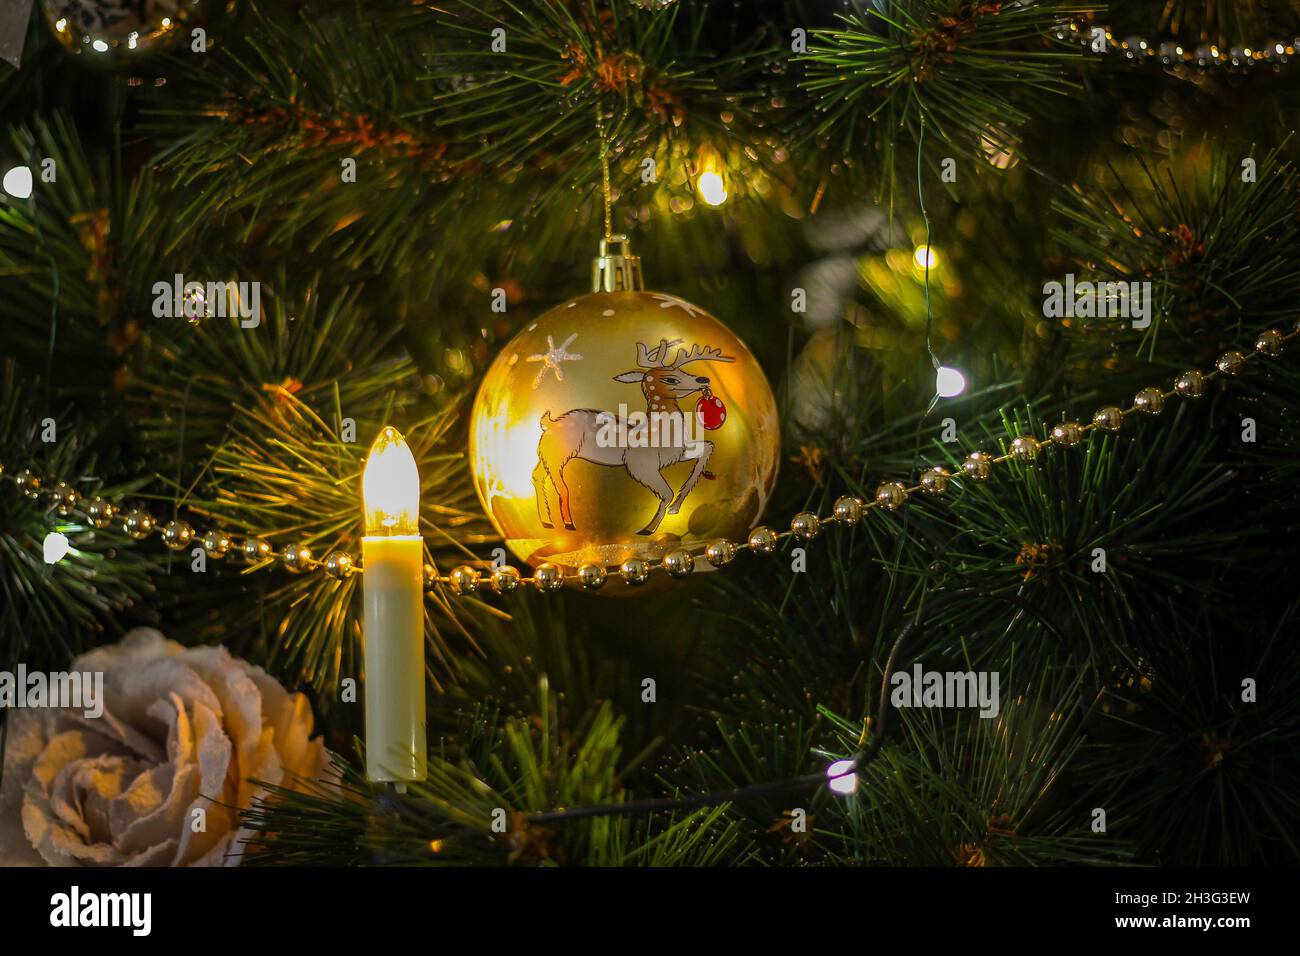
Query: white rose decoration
pixel 182 730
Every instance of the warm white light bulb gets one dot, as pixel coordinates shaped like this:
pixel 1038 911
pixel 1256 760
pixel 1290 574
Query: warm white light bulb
pixel 948 382
pixel 55 547
pixel 925 256
pixel 18 182
pixel 842 777
pixel 390 487
pixel 712 188
pixel 100 46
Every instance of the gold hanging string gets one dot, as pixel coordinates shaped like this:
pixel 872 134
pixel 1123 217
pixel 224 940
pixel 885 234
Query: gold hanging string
pixel 607 192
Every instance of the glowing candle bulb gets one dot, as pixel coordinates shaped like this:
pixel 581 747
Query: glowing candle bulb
pixel 390 487
pixel 392 554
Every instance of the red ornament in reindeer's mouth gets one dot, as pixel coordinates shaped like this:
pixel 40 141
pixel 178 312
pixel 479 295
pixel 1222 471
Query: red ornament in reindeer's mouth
pixel 710 411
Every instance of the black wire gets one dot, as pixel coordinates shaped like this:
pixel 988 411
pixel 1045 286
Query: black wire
pixel 855 764
pixel 656 805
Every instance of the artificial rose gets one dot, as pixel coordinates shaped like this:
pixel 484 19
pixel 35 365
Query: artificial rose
pixel 183 729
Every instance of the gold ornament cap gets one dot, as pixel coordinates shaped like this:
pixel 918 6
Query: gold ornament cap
pixel 616 269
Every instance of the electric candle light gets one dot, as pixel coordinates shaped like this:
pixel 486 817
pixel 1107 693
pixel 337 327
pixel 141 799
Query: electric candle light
pixel 392 555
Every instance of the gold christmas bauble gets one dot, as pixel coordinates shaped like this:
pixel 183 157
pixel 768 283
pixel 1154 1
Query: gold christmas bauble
pixel 623 425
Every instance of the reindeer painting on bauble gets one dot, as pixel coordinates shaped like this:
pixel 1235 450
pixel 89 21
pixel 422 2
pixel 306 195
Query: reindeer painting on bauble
pixel 578 433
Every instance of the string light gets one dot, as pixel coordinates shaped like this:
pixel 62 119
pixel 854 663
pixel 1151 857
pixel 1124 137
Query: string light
pixel 712 189
pixel 711 183
pixel 842 777
pixel 996 145
pixel 924 257
pixel 18 182
pixel 948 382
pixel 55 547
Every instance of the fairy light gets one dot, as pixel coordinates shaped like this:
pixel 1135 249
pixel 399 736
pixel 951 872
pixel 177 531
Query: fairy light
pixel 18 182
pixel 842 777
pixel 948 382
pixel 55 547
pixel 996 145
pixel 925 257
pixel 712 188
pixel 711 184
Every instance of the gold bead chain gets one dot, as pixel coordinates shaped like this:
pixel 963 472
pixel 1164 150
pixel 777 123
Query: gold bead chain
pixel 678 562
pixel 1172 52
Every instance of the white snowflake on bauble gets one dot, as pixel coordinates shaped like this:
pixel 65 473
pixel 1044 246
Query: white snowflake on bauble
pixel 552 358
pixel 668 301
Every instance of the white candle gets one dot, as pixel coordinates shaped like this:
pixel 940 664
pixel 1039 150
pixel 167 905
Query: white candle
pixel 392 555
